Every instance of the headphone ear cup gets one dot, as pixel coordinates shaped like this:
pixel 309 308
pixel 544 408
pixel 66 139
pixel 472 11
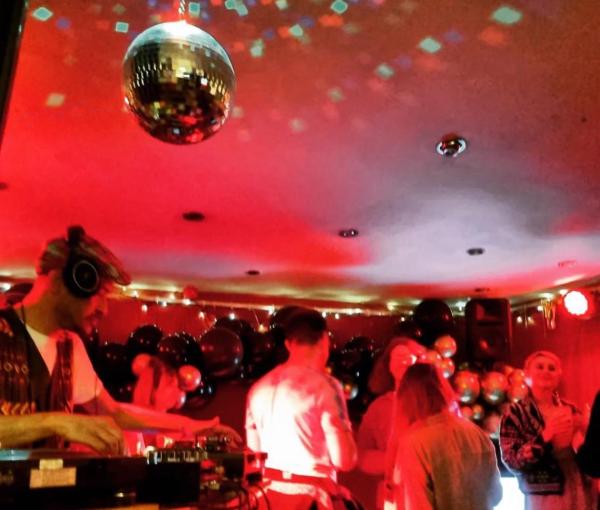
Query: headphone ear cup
pixel 81 277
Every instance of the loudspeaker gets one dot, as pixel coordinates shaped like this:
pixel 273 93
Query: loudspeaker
pixel 489 329
pixel 80 274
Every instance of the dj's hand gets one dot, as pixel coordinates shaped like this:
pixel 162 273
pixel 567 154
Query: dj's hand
pixel 98 432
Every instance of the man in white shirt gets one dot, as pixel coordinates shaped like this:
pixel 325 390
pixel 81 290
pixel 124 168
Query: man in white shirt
pixel 44 367
pixel 297 415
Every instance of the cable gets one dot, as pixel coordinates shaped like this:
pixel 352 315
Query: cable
pixel 264 493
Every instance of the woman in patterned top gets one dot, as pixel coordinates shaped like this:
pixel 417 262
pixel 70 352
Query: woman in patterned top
pixel 536 436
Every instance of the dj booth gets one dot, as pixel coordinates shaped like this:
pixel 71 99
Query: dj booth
pixel 182 475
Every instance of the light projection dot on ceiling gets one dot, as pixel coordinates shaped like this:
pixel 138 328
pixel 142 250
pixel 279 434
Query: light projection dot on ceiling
pixel 506 15
pixel 296 31
pixel 493 36
pixel 55 99
pixel 297 125
pixel 351 28
pixel 430 45
pixel 453 36
pixel 268 34
pixel 336 94
pixel 384 71
pixel 403 62
pixel 119 9
pixel 237 112
pixel 257 48
pixel 194 9
pixel 307 22
pixel 121 27
pixel 282 5
pixel 63 23
pixel 42 14
pixel 339 6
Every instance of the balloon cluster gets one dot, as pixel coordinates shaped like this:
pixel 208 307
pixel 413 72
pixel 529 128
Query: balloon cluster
pixel 351 364
pixel 484 394
pixel 198 362
pixel 231 348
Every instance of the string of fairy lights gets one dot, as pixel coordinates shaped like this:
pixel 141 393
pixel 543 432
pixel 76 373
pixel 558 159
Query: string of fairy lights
pixel 525 313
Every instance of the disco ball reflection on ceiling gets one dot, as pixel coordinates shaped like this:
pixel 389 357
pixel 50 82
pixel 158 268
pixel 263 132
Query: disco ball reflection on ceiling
pixel 179 82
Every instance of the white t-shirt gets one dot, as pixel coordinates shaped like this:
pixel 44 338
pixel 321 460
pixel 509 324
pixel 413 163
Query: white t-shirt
pixel 86 384
pixel 291 409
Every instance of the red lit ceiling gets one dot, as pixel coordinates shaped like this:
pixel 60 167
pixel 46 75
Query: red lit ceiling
pixel 338 110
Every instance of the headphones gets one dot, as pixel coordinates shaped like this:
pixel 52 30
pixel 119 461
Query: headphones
pixel 81 275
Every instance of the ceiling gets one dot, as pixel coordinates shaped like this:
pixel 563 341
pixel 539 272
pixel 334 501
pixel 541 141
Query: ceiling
pixel 338 110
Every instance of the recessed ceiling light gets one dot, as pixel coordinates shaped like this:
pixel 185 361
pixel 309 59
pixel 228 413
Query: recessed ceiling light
pixel 193 216
pixel 475 251
pixel 3 185
pixel 253 272
pixel 451 146
pixel 567 263
pixel 349 232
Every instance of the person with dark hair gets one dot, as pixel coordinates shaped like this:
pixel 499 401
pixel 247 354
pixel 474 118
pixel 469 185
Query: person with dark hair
pixel 44 368
pixel 536 437
pixel 588 455
pixel 374 431
pixel 440 461
pixel 297 414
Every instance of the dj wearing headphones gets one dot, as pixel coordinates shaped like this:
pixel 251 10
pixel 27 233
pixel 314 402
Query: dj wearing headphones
pixel 44 367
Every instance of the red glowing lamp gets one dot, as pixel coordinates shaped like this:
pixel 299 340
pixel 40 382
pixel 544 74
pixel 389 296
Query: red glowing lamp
pixel 577 303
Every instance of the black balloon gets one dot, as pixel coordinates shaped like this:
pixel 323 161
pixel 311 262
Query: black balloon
pixel 144 339
pixel 408 328
pixel 201 396
pixel 178 349
pixel 123 392
pixel 193 355
pixel 222 352
pixel 113 364
pixel 434 317
pixel 361 343
pixel 259 351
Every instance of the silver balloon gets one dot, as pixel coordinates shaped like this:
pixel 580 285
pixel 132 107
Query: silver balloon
pixel 179 82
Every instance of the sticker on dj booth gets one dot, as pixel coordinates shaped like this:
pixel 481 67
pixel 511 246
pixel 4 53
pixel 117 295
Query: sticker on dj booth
pixel 51 473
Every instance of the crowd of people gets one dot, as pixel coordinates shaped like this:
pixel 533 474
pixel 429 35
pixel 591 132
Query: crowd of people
pixel 412 436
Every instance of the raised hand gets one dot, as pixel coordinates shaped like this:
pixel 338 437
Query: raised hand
pixel 559 427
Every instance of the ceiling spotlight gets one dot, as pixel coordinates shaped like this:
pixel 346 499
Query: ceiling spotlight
pixel 253 272
pixel 451 146
pixel 567 263
pixel 193 216
pixel 475 251
pixel 349 232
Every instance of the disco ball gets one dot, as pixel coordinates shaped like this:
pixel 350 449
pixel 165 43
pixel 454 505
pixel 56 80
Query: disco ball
pixel 179 82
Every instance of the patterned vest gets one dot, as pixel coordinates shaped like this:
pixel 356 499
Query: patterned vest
pixel 26 385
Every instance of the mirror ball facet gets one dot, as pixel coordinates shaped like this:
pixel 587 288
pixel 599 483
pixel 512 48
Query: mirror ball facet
pixel 179 82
